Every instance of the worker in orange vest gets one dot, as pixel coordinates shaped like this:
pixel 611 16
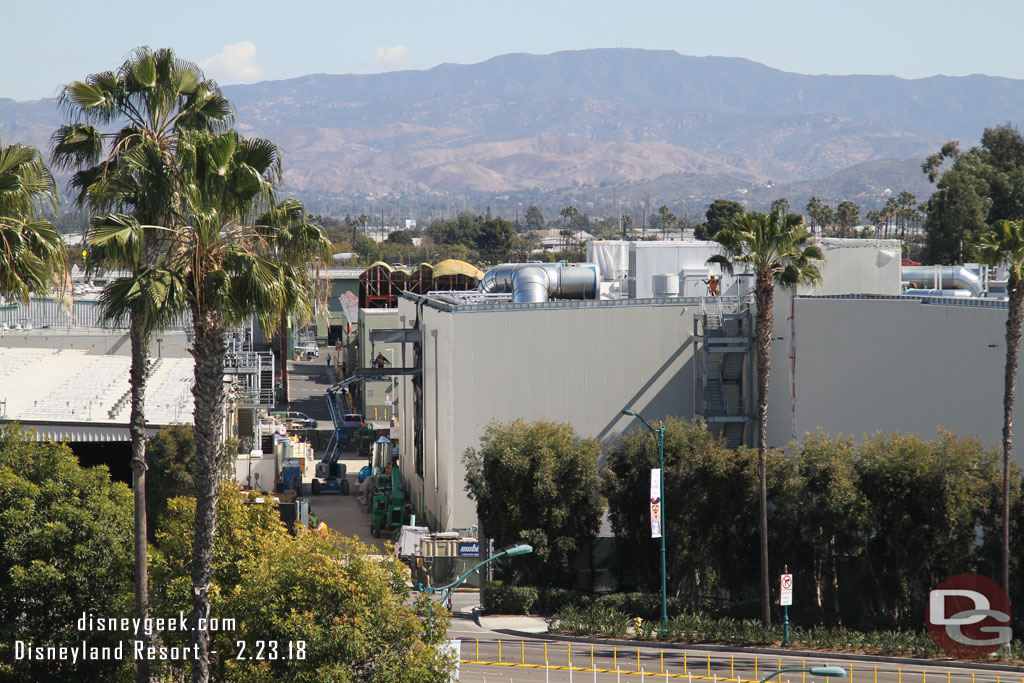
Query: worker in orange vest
pixel 712 284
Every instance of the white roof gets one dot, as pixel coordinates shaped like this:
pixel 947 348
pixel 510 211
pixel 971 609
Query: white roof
pixel 70 385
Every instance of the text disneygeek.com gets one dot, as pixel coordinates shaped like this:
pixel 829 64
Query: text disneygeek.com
pixel 83 651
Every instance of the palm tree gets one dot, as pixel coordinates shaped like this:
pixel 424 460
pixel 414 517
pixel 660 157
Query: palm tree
pixel 1004 243
pixel 32 254
pixel 232 267
pixel 779 251
pixel 569 215
pixel 130 174
pixel 668 220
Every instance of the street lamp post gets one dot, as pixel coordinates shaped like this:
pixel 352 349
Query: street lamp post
pixel 518 549
pixel 660 437
pixel 827 671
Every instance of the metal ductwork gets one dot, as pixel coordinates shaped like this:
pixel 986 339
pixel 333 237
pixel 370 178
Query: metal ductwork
pixel 943 277
pixel 539 282
pixel 948 293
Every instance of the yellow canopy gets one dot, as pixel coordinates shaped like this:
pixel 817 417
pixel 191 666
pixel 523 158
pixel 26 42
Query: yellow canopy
pixel 456 267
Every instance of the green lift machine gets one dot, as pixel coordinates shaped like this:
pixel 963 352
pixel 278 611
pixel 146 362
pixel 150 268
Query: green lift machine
pixel 388 506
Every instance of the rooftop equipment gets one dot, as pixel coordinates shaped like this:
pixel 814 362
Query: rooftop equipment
pixel 540 282
pixel 943 277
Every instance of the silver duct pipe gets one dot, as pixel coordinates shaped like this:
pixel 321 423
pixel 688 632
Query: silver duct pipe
pixel 949 277
pixel 538 282
pixel 949 293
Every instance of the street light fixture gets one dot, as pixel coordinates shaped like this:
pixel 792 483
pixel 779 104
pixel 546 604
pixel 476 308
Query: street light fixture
pixel 517 549
pixel 660 437
pixel 827 671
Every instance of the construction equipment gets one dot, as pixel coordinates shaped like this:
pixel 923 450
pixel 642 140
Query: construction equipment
pixel 388 505
pixel 334 476
pixel 339 403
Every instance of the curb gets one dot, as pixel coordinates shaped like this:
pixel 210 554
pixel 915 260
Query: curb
pixel 810 654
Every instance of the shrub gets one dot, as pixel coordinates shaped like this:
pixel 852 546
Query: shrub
pixel 502 599
pixel 552 600
pixel 592 620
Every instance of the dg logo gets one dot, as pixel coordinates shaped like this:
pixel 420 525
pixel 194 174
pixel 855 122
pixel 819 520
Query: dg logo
pixel 969 616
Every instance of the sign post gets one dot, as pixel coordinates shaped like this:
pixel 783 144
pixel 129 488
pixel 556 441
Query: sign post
pixel 785 599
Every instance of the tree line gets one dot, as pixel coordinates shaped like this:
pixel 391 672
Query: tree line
pixel 867 527
pixel 324 607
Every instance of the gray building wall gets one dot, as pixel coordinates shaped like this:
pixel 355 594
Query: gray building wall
pixel 871 362
pixel 897 365
pixel 376 394
pixel 576 362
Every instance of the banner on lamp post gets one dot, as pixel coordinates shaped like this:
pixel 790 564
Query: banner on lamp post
pixel 656 502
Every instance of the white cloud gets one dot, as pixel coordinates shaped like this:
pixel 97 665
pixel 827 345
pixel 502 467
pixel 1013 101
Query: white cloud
pixel 390 57
pixel 235 62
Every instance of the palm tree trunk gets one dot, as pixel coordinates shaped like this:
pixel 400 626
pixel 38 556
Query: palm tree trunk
pixel 139 374
pixel 209 350
pixel 763 293
pixel 1014 319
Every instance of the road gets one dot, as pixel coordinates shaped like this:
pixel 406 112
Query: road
pixel 690 664
pixel 308 383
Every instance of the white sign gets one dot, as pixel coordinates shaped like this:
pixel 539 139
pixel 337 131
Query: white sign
pixel 656 502
pixel 452 648
pixel 786 589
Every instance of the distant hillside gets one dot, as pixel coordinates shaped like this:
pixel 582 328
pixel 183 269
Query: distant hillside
pixel 623 120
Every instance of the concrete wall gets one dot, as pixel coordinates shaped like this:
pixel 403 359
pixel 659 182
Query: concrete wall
pixel 868 365
pixel 581 365
pixel 95 341
pixel 376 394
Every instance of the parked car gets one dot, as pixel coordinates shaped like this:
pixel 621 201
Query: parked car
pixel 307 351
pixel 296 421
pixel 352 421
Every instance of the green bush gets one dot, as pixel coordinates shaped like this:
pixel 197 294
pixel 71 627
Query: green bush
pixel 592 620
pixel 502 599
pixel 552 600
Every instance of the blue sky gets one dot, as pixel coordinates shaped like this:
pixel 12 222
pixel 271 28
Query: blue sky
pixel 57 41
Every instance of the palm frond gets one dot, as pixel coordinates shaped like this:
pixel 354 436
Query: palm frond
pixel 152 298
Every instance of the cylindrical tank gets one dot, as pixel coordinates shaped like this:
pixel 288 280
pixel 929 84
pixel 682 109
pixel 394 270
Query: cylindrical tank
pixel 665 285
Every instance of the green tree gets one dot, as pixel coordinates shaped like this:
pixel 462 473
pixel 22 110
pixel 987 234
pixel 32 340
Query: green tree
pixel 820 502
pixel 351 611
pixel 400 237
pixel 780 206
pixel 169 455
pixel 707 526
pixel 238 255
pixel 779 252
pixel 1005 244
pixel 814 207
pixel 569 215
pixel 536 483
pixel 721 215
pixel 534 218
pixel 924 504
pixel 152 97
pixel 494 239
pixel 32 256
pixel 666 219
pixel 67 551
pixel 848 216
pixel 977 189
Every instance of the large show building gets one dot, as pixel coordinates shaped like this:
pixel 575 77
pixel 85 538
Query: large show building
pixel 852 356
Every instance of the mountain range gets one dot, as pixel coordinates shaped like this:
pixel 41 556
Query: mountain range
pixel 622 122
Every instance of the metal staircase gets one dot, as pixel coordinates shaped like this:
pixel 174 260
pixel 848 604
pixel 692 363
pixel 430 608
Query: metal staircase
pixel 723 338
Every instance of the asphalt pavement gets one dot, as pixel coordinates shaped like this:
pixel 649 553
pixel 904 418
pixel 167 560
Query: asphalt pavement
pixel 308 382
